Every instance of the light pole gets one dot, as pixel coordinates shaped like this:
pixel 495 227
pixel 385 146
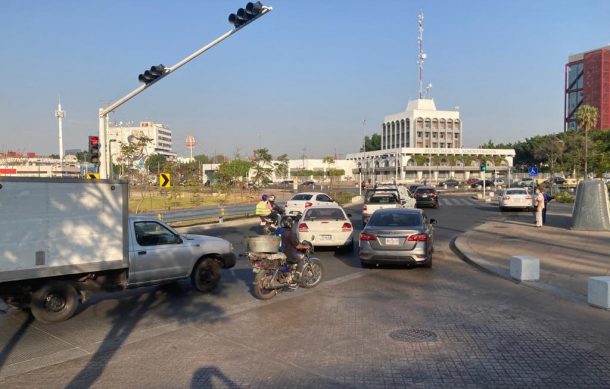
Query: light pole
pixel 111 170
pixel 59 114
pixel 242 18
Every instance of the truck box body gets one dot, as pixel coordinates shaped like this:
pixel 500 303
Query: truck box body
pixel 53 227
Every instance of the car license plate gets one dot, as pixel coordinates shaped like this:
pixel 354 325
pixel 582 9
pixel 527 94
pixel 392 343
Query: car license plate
pixel 392 241
pixel 326 237
pixel 424 196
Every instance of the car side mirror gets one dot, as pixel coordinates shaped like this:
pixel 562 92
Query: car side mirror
pixel 178 239
pixel 433 221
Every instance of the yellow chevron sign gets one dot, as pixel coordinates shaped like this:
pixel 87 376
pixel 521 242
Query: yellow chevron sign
pixel 165 180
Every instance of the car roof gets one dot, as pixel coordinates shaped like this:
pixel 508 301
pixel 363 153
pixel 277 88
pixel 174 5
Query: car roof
pixel 310 193
pixel 410 211
pixel 425 187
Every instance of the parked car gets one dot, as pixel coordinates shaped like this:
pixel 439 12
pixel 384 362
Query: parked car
pixel 397 235
pixel 451 183
pixel 472 181
pixel 515 198
pixel 527 181
pixel 479 183
pixel 301 201
pixel 558 180
pixel 426 196
pixel 326 226
pixel 308 183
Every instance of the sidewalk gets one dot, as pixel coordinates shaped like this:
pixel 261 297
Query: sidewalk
pixel 567 257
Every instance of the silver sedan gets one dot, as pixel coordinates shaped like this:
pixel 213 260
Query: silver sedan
pixel 397 236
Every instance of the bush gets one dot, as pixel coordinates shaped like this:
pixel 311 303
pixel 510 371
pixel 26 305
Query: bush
pixel 564 197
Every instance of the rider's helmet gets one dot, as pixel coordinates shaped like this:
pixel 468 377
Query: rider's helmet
pixel 287 222
pixel 272 198
pixel 264 197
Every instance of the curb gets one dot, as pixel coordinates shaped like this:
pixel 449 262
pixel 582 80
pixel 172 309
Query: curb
pixel 496 271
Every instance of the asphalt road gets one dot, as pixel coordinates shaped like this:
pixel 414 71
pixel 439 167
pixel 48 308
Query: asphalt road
pixel 110 322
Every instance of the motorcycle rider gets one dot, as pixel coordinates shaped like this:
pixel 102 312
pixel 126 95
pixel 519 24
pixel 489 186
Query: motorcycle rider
pixel 291 245
pixel 263 208
pixel 276 210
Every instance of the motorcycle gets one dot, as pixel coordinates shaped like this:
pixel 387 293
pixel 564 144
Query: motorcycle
pixel 270 223
pixel 274 273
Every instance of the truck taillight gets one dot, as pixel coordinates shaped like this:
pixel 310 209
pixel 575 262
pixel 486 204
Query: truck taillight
pixel 346 227
pixel 303 227
pixel 308 204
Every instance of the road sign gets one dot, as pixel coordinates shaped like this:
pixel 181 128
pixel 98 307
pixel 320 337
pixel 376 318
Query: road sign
pixel 93 176
pixel 533 170
pixel 165 180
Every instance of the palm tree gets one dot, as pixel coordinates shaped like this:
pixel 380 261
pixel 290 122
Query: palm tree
pixel 587 119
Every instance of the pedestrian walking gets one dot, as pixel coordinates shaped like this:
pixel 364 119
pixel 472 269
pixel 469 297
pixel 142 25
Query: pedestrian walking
pixel 547 199
pixel 539 206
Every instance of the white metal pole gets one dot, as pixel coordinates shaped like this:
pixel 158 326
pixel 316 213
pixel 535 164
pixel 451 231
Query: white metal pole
pixel 102 139
pixel 59 114
pixel 483 185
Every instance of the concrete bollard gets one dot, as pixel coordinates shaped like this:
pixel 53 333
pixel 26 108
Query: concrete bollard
pixel 598 291
pixel 525 268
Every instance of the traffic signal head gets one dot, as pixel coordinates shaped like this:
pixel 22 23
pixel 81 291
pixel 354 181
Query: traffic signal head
pixel 243 16
pixel 155 73
pixel 94 149
pixel 483 165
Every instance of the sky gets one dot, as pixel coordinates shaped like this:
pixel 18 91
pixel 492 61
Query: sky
pixel 311 77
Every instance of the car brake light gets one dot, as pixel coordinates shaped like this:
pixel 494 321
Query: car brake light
pixel 528 197
pixel 346 227
pixel 308 204
pixel 367 237
pixel 418 238
pixel 364 208
pixel 303 227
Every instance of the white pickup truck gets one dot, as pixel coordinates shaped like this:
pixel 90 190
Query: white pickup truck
pixel 64 238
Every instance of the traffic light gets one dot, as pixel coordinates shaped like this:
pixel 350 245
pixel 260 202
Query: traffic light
pixel 483 165
pixel 155 73
pixel 243 16
pixel 94 149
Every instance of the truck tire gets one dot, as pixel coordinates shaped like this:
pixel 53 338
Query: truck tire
pixel 55 301
pixel 206 275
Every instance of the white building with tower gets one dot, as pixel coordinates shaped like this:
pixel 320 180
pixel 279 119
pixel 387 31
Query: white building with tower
pixel 425 144
pixel 124 134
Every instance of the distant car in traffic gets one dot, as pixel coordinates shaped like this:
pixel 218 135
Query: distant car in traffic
pixel 412 187
pixel 527 181
pixel 515 198
pixel 301 201
pixel 326 226
pixel 426 196
pixel 397 236
pixel 308 183
pixel 472 181
pixel 479 183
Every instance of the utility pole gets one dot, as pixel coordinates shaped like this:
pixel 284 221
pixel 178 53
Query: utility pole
pixel 59 114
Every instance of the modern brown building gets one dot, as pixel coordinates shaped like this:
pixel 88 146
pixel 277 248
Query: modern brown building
pixel 587 81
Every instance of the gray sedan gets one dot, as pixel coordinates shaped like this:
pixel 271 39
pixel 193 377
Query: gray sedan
pixel 397 235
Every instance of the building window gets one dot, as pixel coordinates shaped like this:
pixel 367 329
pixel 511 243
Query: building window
pixel 420 134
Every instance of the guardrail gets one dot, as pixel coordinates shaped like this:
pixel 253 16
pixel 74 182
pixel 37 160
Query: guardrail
pixel 216 212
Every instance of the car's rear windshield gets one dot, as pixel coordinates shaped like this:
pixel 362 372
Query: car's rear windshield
pixel 373 192
pixel 302 197
pixel 401 220
pixel 324 214
pixel 425 190
pixel 383 200
pixel 515 191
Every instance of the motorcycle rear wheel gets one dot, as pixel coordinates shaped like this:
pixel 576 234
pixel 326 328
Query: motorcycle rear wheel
pixel 312 273
pixel 259 287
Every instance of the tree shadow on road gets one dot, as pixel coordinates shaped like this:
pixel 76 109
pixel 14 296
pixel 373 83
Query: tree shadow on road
pixel 8 347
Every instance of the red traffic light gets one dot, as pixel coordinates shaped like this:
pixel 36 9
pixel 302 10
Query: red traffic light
pixel 94 140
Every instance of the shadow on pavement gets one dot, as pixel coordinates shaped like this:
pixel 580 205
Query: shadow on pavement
pixel 14 340
pixel 203 378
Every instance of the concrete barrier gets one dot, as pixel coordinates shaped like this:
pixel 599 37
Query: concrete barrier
pixel 598 291
pixel 525 268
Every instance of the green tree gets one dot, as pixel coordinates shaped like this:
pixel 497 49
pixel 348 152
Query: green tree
pixel 586 116
pixel 281 166
pixel 202 158
pixel 155 162
pixel 229 172
pixel 132 151
pixel 262 166
pixel 372 143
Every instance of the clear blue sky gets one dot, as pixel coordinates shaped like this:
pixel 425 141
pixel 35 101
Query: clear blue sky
pixel 304 76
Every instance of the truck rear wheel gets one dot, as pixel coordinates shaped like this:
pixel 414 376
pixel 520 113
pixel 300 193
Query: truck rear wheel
pixel 206 275
pixel 55 301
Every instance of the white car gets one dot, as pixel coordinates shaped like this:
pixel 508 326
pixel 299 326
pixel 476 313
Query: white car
pixel 519 198
pixel 301 201
pixel 528 181
pixel 326 226
pixel 406 198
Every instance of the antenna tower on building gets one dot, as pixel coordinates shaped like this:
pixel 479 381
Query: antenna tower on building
pixel 422 56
